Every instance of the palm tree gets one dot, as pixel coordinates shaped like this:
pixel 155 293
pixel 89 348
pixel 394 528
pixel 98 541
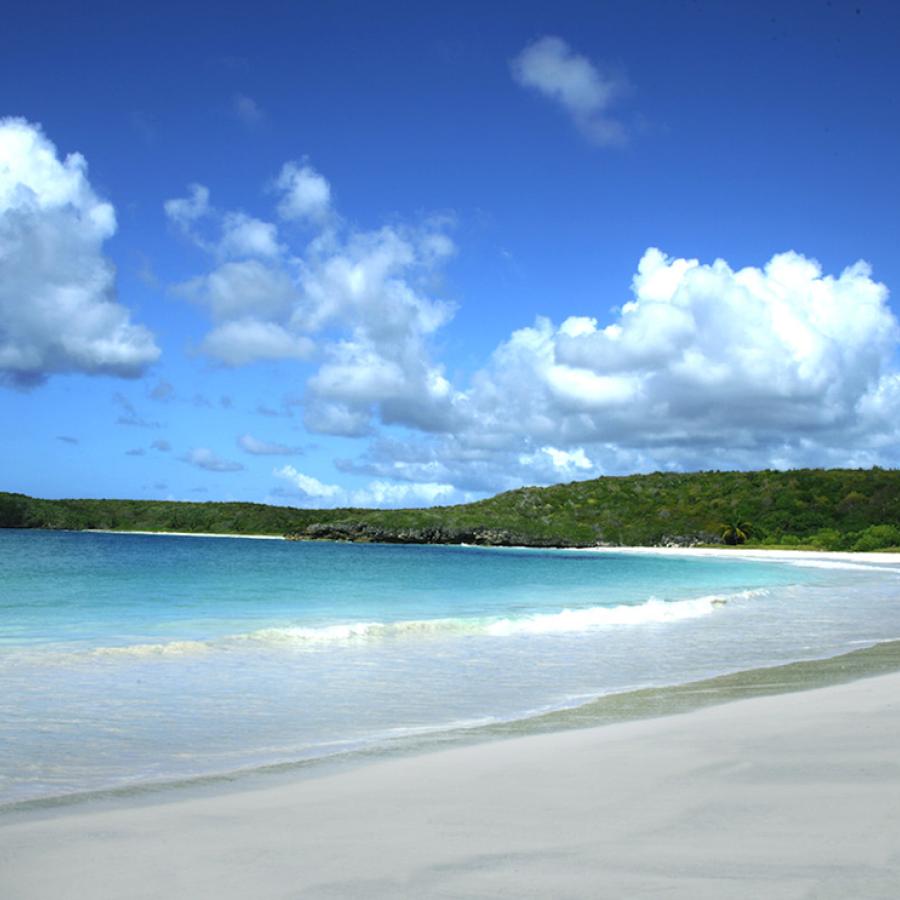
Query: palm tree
pixel 735 531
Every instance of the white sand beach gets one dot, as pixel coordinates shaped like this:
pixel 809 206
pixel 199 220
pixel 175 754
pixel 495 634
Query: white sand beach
pixel 760 553
pixel 791 796
pixel 204 534
pixel 725 552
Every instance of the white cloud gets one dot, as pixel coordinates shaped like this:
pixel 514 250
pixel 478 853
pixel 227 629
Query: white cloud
pixel 306 195
pixel 257 447
pixel 706 367
pixel 380 493
pixel 204 458
pixel 242 235
pixel 58 306
pixel 245 288
pixel 356 298
pixel 568 460
pixel 552 68
pixel 185 211
pixel 241 341
pixel 386 493
pixel 703 357
pixel 307 485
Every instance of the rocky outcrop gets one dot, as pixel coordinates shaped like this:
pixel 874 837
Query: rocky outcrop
pixel 690 540
pixel 363 532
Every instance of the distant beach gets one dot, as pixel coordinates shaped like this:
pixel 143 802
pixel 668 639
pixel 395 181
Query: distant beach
pixel 206 534
pixel 760 553
pixel 699 552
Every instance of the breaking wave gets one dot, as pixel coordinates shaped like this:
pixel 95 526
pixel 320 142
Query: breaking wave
pixel 566 621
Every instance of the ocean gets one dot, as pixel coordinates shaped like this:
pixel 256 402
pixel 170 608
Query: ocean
pixel 132 660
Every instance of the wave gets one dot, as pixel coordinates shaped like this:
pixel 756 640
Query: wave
pixel 566 621
pixel 169 648
pixel 569 620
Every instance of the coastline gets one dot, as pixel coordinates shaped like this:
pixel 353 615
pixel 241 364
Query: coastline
pixel 733 801
pixel 834 556
pixel 616 708
pixel 444 838
pixel 709 552
pixel 205 534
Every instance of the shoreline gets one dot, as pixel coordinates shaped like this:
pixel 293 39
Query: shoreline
pixel 835 556
pixel 719 788
pixel 723 552
pixel 733 801
pixel 630 705
pixel 205 534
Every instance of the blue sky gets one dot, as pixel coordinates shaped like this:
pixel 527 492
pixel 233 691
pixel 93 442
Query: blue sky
pixel 385 254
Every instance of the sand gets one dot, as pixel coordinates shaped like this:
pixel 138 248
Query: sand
pixel 811 556
pixel 788 796
pixel 838 557
pixel 205 534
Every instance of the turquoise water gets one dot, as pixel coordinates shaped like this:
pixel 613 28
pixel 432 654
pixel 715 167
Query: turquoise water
pixel 129 659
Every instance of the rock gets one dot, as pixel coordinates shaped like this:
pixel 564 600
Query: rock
pixel 363 532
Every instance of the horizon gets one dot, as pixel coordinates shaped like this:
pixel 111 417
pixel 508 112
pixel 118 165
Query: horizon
pixel 388 257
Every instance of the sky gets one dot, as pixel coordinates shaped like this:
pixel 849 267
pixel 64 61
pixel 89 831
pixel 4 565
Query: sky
pixel 403 254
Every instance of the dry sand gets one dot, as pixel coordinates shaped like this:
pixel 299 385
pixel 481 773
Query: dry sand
pixel 838 557
pixel 206 534
pixel 791 796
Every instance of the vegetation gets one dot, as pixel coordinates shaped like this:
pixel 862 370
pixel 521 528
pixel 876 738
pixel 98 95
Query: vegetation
pixel 736 532
pixel 836 509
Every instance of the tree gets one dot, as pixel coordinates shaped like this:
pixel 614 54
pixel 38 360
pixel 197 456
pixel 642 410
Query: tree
pixel 735 532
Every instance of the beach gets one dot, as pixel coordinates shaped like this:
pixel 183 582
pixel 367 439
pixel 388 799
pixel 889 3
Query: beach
pixel 759 553
pixel 792 796
pixel 229 719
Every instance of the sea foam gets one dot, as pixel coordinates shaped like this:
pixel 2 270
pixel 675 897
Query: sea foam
pixel 566 621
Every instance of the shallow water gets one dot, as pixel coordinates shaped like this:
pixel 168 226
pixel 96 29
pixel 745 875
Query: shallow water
pixel 129 659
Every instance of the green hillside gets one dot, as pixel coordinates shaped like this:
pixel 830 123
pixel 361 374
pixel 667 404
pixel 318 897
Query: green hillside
pixel 828 509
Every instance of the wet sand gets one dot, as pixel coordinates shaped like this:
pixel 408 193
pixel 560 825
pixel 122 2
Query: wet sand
pixel 788 796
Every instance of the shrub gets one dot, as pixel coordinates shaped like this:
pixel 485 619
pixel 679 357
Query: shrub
pixel 877 537
pixel 827 539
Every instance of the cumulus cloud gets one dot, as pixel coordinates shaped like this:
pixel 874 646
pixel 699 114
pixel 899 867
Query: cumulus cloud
pixel 241 341
pixel 313 492
pixel 305 194
pixel 355 301
pixel 307 485
pixel 204 458
pixel 185 211
pixel 706 366
pixel 58 306
pixel 561 462
pixel 550 67
pixel 257 447
pixel 704 362
pixel 242 235
pixel 241 288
